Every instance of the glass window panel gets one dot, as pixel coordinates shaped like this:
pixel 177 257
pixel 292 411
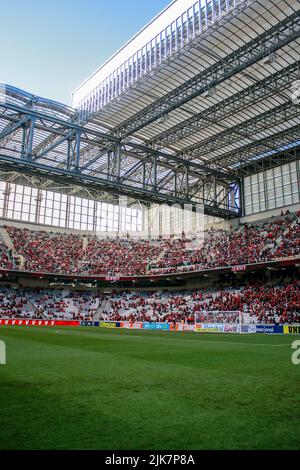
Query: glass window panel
pixel 25 216
pixel 288 199
pixel 277 171
pixel 286 179
pixel 262 205
pixel 287 189
pixel 271 203
pixel 277 182
pixel 27 190
pixel 285 169
pixel 294 177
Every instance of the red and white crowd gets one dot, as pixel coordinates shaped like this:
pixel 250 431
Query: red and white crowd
pixel 40 304
pixel 5 257
pixel 253 303
pixel 71 254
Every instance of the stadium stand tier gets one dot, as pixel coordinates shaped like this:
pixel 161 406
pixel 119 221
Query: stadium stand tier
pixel 45 252
pixel 258 303
pixel 48 304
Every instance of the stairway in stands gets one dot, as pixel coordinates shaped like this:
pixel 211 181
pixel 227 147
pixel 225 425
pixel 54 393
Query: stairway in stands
pixel 6 240
pixel 101 309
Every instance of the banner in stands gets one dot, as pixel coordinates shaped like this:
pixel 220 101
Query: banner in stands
pixel 162 326
pixel 109 324
pixel 24 322
pixel 291 329
pixel 269 329
pixel 236 269
pixel 148 326
pixel 248 328
pixel 131 325
pixel 217 328
pixel 155 326
pixel 185 327
pixel 86 323
pixel 231 328
pixel 112 278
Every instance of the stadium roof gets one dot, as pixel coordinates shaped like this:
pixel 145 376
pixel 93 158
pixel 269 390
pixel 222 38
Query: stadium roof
pixel 189 125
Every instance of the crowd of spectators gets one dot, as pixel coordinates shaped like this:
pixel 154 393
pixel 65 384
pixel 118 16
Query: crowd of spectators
pixel 255 303
pixel 68 254
pixel 119 257
pixel 47 252
pixel 247 244
pixel 5 257
pixel 42 304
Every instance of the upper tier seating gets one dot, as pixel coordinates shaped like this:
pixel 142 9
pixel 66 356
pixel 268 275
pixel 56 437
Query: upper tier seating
pixel 67 254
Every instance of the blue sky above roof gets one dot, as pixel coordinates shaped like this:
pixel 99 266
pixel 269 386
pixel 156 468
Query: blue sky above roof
pixel 53 46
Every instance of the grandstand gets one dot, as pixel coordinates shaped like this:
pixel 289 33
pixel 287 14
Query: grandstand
pixel 167 196
pixel 176 167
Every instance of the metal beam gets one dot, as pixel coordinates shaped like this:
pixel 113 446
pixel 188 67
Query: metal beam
pixel 60 175
pixel 88 136
pixel 10 129
pixel 262 46
pixel 55 143
pixel 261 148
pixel 261 90
pixel 272 161
pixel 60 122
pixel 244 130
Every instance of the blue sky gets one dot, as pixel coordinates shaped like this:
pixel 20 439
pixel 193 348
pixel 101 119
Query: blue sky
pixel 49 47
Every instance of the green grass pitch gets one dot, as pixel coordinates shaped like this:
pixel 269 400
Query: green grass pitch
pixel 89 388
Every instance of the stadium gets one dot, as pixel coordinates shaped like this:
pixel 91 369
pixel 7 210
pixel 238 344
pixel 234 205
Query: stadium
pixel 150 241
